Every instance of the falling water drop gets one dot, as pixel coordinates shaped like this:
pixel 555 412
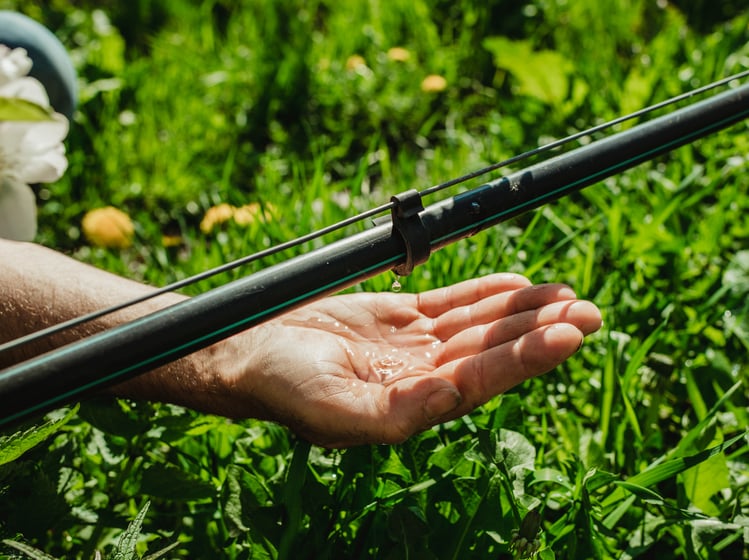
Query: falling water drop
pixel 396 285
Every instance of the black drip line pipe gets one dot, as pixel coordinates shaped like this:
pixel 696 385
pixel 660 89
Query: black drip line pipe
pixel 69 373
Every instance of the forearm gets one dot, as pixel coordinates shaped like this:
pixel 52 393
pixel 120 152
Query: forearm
pixel 40 287
pixel 318 369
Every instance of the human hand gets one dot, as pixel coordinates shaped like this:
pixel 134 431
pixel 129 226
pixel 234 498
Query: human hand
pixel 380 367
pixel 350 369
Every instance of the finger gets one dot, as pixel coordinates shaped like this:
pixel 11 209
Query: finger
pixel 498 306
pixel 415 403
pixel 436 302
pixel 353 412
pixel 582 314
pixel 392 413
pixel 498 369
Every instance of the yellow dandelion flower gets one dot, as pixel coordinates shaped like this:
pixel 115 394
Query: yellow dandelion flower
pixel 245 215
pixel 249 213
pixel 215 216
pixel 171 240
pixel 108 227
pixel 433 84
pixel 355 61
pixel 398 54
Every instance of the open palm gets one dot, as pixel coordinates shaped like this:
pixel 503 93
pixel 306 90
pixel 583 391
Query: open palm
pixel 377 368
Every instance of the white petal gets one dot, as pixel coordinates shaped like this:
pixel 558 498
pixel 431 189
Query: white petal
pixel 17 210
pixel 11 136
pixel 14 63
pixel 33 151
pixel 40 136
pixel 29 89
pixel 46 168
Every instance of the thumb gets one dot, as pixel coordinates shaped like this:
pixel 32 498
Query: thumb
pixel 417 403
pixel 441 402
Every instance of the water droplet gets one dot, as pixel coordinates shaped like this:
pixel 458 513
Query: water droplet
pixel 388 366
pixel 393 329
pixel 396 286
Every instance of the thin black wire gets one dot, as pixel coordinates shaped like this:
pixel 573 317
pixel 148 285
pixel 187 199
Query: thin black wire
pixel 226 267
pixel 571 138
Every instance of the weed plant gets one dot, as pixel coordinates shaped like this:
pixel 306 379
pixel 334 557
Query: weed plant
pixel 634 448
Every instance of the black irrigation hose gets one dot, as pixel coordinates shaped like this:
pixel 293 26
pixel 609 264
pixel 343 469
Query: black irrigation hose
pixel 66 374
pixel 81 319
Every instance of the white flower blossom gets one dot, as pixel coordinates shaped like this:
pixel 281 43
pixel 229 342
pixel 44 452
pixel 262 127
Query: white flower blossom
pixel 14 81
pixel 30 151
pixel 14 64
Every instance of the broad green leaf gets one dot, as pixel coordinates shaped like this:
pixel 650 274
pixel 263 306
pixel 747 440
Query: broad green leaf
pixel 108 415
pixel 416 451
pixel 705 480
pixel 244 494
pixel 454 457
pixel 508 412
pixel 541 74
pixel 15 109
pixel 705 531
pixel 394 466
pixel 470 498
pixel 15 445
pixel 508 447
pixel 546 554
pixel 516 450
pixel 125 547
pixel 101 444
pixel 670 468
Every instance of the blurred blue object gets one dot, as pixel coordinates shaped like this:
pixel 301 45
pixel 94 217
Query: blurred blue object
pixel 52 65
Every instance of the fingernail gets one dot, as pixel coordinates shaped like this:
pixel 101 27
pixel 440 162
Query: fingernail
pixel 567 292
pixel 440 403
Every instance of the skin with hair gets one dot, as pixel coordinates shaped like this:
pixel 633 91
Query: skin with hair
pixel 345 370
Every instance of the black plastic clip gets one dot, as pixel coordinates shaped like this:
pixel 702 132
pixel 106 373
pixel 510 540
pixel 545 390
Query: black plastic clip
pixel 407 222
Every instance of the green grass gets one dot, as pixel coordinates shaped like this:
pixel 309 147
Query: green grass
pixel 633 448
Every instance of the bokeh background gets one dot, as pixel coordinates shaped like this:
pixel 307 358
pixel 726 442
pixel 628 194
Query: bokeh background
pixel 217 128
